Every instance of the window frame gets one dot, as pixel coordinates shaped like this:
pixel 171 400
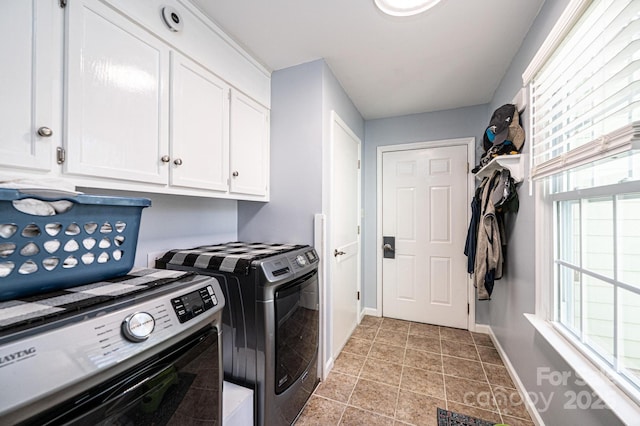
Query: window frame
pixel 613 192
pixel 619 395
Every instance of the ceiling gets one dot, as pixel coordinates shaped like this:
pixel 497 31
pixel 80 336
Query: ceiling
pixel 454 55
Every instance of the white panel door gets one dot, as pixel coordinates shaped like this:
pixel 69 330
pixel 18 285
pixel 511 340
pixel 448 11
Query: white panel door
pixel 199 126
pixel 117 96
pixel 26 89
pixel 248 146
pixel 344 223
pixel 424 207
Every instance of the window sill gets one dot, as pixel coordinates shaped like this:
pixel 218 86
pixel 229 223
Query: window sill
pixel 594 375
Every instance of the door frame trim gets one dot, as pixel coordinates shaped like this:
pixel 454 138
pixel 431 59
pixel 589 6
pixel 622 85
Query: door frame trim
pixel 470 143
pixel 336 120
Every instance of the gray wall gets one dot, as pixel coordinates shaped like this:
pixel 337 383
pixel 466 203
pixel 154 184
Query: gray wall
pixel 334 98
pixel 302 98
pixel 175 221
pixel 433 126
pixel 515 293
pixel 296 166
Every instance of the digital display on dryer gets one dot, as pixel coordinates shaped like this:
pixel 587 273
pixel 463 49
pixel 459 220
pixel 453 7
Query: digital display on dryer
pixel 193 304
pixel 311 255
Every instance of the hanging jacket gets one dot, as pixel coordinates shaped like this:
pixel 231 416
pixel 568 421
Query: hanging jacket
pixel 488 260
pixel 472 232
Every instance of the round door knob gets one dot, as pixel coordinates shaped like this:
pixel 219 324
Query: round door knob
pixel 165 159
pixel 138 326
pixel 45 132
pixel 235 174
pixel 178 161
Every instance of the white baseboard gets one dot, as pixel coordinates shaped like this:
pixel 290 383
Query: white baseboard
pixel 327 368
pixel 530 406
pixel 481 328
pixel 370 311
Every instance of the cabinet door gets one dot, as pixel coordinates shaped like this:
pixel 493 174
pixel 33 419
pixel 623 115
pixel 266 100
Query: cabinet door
pixel 26 83
pixel 199 126
pixel 117 96
pixel 249 146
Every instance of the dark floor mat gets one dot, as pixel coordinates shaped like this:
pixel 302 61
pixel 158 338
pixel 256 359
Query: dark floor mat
pixel 450 418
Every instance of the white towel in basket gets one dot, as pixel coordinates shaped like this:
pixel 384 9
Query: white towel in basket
pixel 41 187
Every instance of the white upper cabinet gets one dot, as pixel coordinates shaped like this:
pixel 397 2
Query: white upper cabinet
pixel 129 103
pixel 117 79
pixel 27 93
pixel 199 127
pixel 200 39
pixel 249 146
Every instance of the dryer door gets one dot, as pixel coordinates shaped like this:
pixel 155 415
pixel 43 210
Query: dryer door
pixel 296 329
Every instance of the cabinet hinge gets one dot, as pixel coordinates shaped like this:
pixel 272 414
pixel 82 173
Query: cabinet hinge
pixel 467 168
pixel 358 229
pixel 63 3
pixel 468 309
pixel 358 164
pixel 60 155
pixel 358 295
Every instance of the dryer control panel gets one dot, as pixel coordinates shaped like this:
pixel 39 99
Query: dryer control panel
pixel 304 258
pixel 287 265
pixel 194 303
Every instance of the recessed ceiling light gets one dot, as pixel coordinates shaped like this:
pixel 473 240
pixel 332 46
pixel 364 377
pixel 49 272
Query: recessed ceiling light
pixel 405 7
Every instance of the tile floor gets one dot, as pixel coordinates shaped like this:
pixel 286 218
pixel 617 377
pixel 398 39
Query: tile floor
pixel 394 372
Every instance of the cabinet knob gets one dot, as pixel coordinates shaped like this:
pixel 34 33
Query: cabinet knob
pixel 235 174
pixel 165 159
pixel 178 161
pixel 45 132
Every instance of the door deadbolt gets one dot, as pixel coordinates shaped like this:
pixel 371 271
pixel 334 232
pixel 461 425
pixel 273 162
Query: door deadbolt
pixel 389 247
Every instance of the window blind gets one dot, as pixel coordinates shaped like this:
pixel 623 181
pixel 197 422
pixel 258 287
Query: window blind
pixel 585 100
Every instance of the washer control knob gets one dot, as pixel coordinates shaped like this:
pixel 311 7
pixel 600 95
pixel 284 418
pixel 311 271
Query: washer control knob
pixel 300 260
pixel 138 326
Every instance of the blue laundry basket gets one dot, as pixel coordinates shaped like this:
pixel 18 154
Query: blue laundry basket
pixel 94 239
